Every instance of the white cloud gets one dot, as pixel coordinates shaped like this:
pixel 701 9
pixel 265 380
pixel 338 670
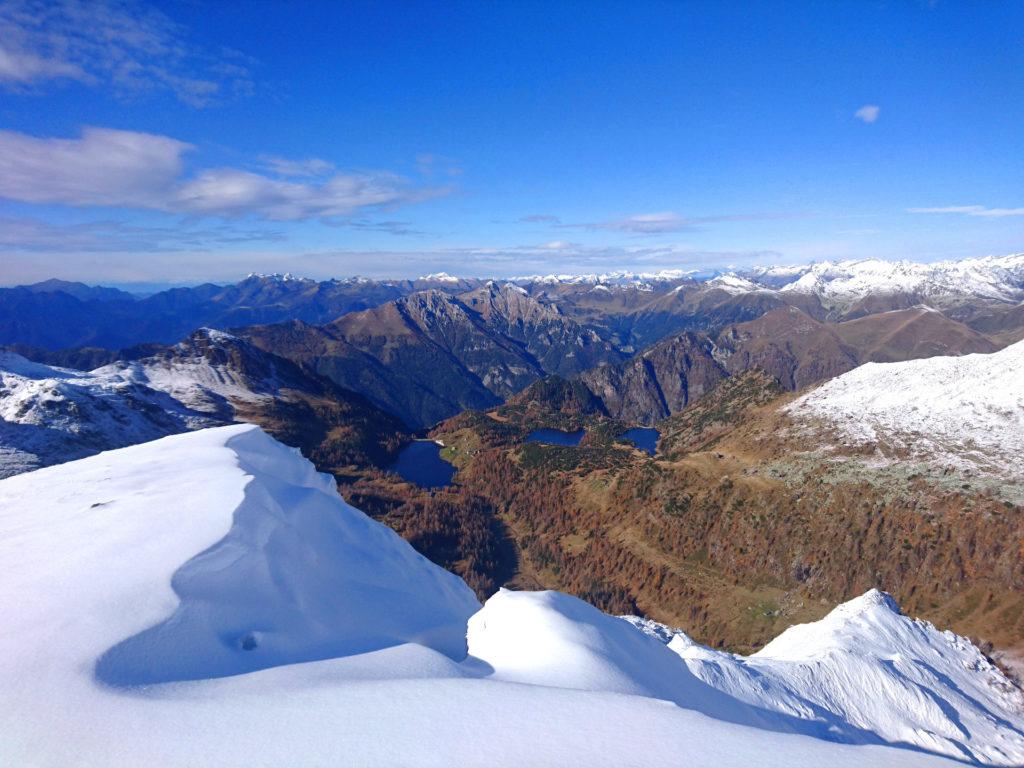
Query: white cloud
pixel 121 44
pixel 104 167
pixel 971 210
pixel 868 113
pixel 127 169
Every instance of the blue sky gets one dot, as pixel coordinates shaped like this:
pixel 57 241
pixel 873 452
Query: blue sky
pixel 183 141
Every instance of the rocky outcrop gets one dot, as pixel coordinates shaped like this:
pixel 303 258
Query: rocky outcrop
pixel 658 382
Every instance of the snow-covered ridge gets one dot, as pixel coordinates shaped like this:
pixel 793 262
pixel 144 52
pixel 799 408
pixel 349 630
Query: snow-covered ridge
pixel 277 277
pixel 618 277
pixel 52 414
pixel 733 283
pixel 867 668
pixel 48 414
pixel 991 277
pixel 964 411
pixel 214 584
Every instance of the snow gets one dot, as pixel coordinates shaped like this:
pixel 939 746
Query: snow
pixel 733 283
pixel 192 379
pixel 209 599
pixel 998 278
pixel 966 412
pixel 277 277
pixel 866 670
pixel 52 414
pixel 991 277
pixel 618 277
pixel 441 277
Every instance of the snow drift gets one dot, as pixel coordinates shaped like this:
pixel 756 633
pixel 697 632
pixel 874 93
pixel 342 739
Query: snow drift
pixel 213 584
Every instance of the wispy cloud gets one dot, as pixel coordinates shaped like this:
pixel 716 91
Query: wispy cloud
pixel 971 210
pixel 34 235
pixel 539 218
pixel 310 167
pixel 400 228
pixel 868 113
pixel 122 45
pixel 647 223
pixel 127 169
pixel 665 222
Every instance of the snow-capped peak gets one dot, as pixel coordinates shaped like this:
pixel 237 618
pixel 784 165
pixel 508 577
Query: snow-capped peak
pixel 278 277
pixel 733 283
pixel 215 335
pixel 440 277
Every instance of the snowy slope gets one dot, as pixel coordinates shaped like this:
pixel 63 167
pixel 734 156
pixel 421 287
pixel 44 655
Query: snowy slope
pixel 50 414
pixel 208 599
pixel 199 373
pixel 961 411
pixel 864 670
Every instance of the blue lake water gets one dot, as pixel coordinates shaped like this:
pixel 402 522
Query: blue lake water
pixel 555 437
pixel 420 462
pixel 644 438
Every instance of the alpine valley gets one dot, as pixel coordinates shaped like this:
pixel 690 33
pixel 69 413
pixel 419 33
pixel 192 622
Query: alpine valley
pixel 759 517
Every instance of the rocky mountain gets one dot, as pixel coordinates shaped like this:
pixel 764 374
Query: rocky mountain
pixel 558 344
pixel 789 345
pixel 659 381
pixel 983 293
pixel 792 347
pixel 52 414
pixel 911 334
pixel 212 573
pixel 429 355
pixel 81 291
pixel 799 351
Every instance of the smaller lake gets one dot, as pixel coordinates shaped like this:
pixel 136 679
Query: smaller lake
pixel 420 462
pixel 644 438
pixel 555 437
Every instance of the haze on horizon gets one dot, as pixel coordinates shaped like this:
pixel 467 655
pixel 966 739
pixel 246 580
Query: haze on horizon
pixel 174 142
